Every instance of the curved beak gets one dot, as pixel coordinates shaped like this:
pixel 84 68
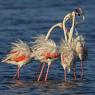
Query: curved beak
pixel 83 17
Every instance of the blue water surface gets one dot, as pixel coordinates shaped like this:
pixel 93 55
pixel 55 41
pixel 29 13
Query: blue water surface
pixel 25 19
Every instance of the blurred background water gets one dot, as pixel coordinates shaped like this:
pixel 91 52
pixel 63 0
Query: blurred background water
pixel 24 19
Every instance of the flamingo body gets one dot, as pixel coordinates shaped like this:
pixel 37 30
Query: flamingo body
pixel 67 57
pixel 45 51
pixel 19 55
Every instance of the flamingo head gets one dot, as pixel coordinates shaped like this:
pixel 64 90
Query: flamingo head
pixel 79 12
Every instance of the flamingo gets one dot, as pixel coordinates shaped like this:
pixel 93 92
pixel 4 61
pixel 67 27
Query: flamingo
pixel 43 39
pixel 45 50
pixel 19 55
pixel 80 49
pixel 67 56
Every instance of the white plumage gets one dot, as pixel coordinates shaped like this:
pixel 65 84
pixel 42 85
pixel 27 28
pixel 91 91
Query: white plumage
pixel 45 51
pixel 67 55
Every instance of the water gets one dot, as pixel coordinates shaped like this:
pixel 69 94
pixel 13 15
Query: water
pixel 24 19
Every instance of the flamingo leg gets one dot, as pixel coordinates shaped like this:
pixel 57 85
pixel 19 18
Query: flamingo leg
pixel 75 71
pixel 41 72
pixel 62 62
pixel 81 69
pixel 47 73
pixel 39 68
pixel 65 74
pixel 17 73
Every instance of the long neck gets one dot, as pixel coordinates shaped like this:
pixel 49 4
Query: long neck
pixel 66 18
pixel 51 29
pixel 65 31
pixel 72 28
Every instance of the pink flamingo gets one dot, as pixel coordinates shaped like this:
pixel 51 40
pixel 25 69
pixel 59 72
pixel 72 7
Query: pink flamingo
pixel 45 51
pixel 67 57
pixel 19 55
pixel 80 49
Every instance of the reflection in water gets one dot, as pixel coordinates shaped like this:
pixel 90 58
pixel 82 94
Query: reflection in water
pixel 18 83
pixel 21 84
pixel 51 87
pixel 69 84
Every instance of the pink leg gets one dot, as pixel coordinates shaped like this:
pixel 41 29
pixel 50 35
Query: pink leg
pixel 41 71
pixel 65 74
pixel 17 73
pixel 62 62
pixel 47 73
pixel 75 72
pixel 81 69
pixel 39 68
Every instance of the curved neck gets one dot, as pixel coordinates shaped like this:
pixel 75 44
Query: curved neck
pixel 51 29
pixel 65 31
pixel 72 28
pixel 68 34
